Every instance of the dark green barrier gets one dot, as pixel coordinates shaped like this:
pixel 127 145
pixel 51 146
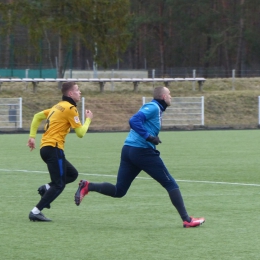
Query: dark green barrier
pixel 30 73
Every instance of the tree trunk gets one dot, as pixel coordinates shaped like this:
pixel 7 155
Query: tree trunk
pixel 8 41
pixel 78 53
pixel 206 64
pixel 7 50
pixel 49 48
pixel 60 60
pixel 239 60
pixel 226 36
pixel 161 40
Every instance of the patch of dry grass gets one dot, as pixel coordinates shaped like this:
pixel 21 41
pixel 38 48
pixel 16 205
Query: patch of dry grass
pixel 227 103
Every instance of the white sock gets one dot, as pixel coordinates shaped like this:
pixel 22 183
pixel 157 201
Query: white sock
pixel 35 210
pixel 47 186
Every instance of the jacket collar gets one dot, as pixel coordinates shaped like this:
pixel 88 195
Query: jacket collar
pixel 162 104
pixel 69 99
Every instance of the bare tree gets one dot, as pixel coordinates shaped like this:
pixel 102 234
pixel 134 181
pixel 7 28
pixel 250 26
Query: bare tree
pixel 240 45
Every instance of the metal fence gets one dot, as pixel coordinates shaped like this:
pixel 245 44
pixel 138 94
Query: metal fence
pixel 183 111
pixel 11 113
pixel 123 72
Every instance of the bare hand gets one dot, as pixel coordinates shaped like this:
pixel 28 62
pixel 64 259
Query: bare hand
pixel 31 143
pixel 88 114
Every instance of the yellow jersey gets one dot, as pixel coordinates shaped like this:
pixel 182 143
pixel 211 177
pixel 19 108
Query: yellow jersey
pixel 60 118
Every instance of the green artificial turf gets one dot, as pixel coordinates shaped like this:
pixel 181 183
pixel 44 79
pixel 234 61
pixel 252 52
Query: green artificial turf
pixel 218 174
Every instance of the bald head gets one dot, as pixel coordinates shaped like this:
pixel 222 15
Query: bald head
pixel 158 92
pixel 162 93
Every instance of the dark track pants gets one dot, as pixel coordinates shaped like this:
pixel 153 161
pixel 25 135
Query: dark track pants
pixel 134 160
pixel 61 172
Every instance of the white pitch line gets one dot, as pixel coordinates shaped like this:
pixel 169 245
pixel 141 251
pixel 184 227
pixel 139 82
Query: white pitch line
pixel 222 182
pixel 144 178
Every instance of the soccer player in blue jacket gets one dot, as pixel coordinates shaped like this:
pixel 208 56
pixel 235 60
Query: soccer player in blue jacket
pixel 139 153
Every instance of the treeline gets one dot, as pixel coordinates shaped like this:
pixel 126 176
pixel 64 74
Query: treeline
pixel 136 34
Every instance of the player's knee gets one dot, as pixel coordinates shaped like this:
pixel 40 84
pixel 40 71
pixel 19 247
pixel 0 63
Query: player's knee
pixel 60 187
pixel 75 175
pixel 171 186
pixel 120 193
pixel 72 176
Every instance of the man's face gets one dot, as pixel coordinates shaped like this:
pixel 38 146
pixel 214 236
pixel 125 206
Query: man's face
pixel 167 96
pixel 74 93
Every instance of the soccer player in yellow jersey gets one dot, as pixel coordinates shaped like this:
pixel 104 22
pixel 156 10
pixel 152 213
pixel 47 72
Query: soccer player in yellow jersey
pixel 59 119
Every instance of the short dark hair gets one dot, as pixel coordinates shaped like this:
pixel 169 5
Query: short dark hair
pixel 158 92
pixel 66 87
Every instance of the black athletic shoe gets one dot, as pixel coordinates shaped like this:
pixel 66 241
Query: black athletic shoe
pixel 42 191
pixel 38 217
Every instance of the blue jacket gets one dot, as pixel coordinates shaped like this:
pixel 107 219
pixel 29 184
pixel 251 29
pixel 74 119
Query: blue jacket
pixel 147 121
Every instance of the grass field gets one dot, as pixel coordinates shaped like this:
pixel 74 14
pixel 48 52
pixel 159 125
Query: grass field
pixel 217 171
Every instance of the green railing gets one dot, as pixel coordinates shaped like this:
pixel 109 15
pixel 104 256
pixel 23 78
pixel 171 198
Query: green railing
pixel 28 73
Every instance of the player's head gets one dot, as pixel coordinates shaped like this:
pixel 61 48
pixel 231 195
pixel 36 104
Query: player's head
pixel 162 93
pixel 71 89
